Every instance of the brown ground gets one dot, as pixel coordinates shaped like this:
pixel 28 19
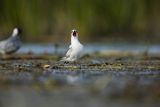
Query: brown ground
pixel 97 80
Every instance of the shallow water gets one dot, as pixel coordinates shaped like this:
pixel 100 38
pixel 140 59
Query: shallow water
pixel 90 48
pixel 93 81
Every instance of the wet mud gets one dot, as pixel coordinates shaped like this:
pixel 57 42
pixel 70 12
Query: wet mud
pixel 94 80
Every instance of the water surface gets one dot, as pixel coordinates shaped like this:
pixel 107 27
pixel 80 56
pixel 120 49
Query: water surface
pixel 96 80
pixel 90 48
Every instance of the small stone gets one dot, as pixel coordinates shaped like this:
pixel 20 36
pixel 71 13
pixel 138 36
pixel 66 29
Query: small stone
pixel 46 66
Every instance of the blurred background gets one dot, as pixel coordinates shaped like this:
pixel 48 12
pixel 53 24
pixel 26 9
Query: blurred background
pixel 44 21
pixel 120 65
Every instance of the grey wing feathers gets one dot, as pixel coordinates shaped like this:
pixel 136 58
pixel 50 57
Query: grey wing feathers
pixel 69 51
pixel 67 54
pixel 10 47
pixel 2 45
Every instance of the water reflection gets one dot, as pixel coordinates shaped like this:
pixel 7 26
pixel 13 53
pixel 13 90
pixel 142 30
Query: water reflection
pixel 98 82
pixel 89 48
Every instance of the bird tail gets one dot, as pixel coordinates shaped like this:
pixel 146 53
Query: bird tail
pixel 63 59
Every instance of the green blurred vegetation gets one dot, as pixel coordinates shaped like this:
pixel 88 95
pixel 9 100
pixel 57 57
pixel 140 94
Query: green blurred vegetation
pixel 50 20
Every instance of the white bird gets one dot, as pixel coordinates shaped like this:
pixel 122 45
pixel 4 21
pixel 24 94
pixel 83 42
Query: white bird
pixel 12 44
pixel 75 49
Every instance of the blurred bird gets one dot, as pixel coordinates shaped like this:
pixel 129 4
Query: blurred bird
pixel 75 49
pixel 12 44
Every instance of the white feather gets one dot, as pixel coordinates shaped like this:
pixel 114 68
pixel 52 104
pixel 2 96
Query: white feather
pixel 75 49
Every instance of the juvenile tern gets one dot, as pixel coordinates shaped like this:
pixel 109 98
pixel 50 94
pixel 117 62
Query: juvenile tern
pixel 75 49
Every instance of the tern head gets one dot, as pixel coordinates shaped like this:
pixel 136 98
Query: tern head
pixel 74 33
pixel 16 31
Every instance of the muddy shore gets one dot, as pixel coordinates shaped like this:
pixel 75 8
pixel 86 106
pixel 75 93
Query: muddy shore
pixel 131 80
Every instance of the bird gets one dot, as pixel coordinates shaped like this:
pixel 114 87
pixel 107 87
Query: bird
pixel 75 49
pixel 12 44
